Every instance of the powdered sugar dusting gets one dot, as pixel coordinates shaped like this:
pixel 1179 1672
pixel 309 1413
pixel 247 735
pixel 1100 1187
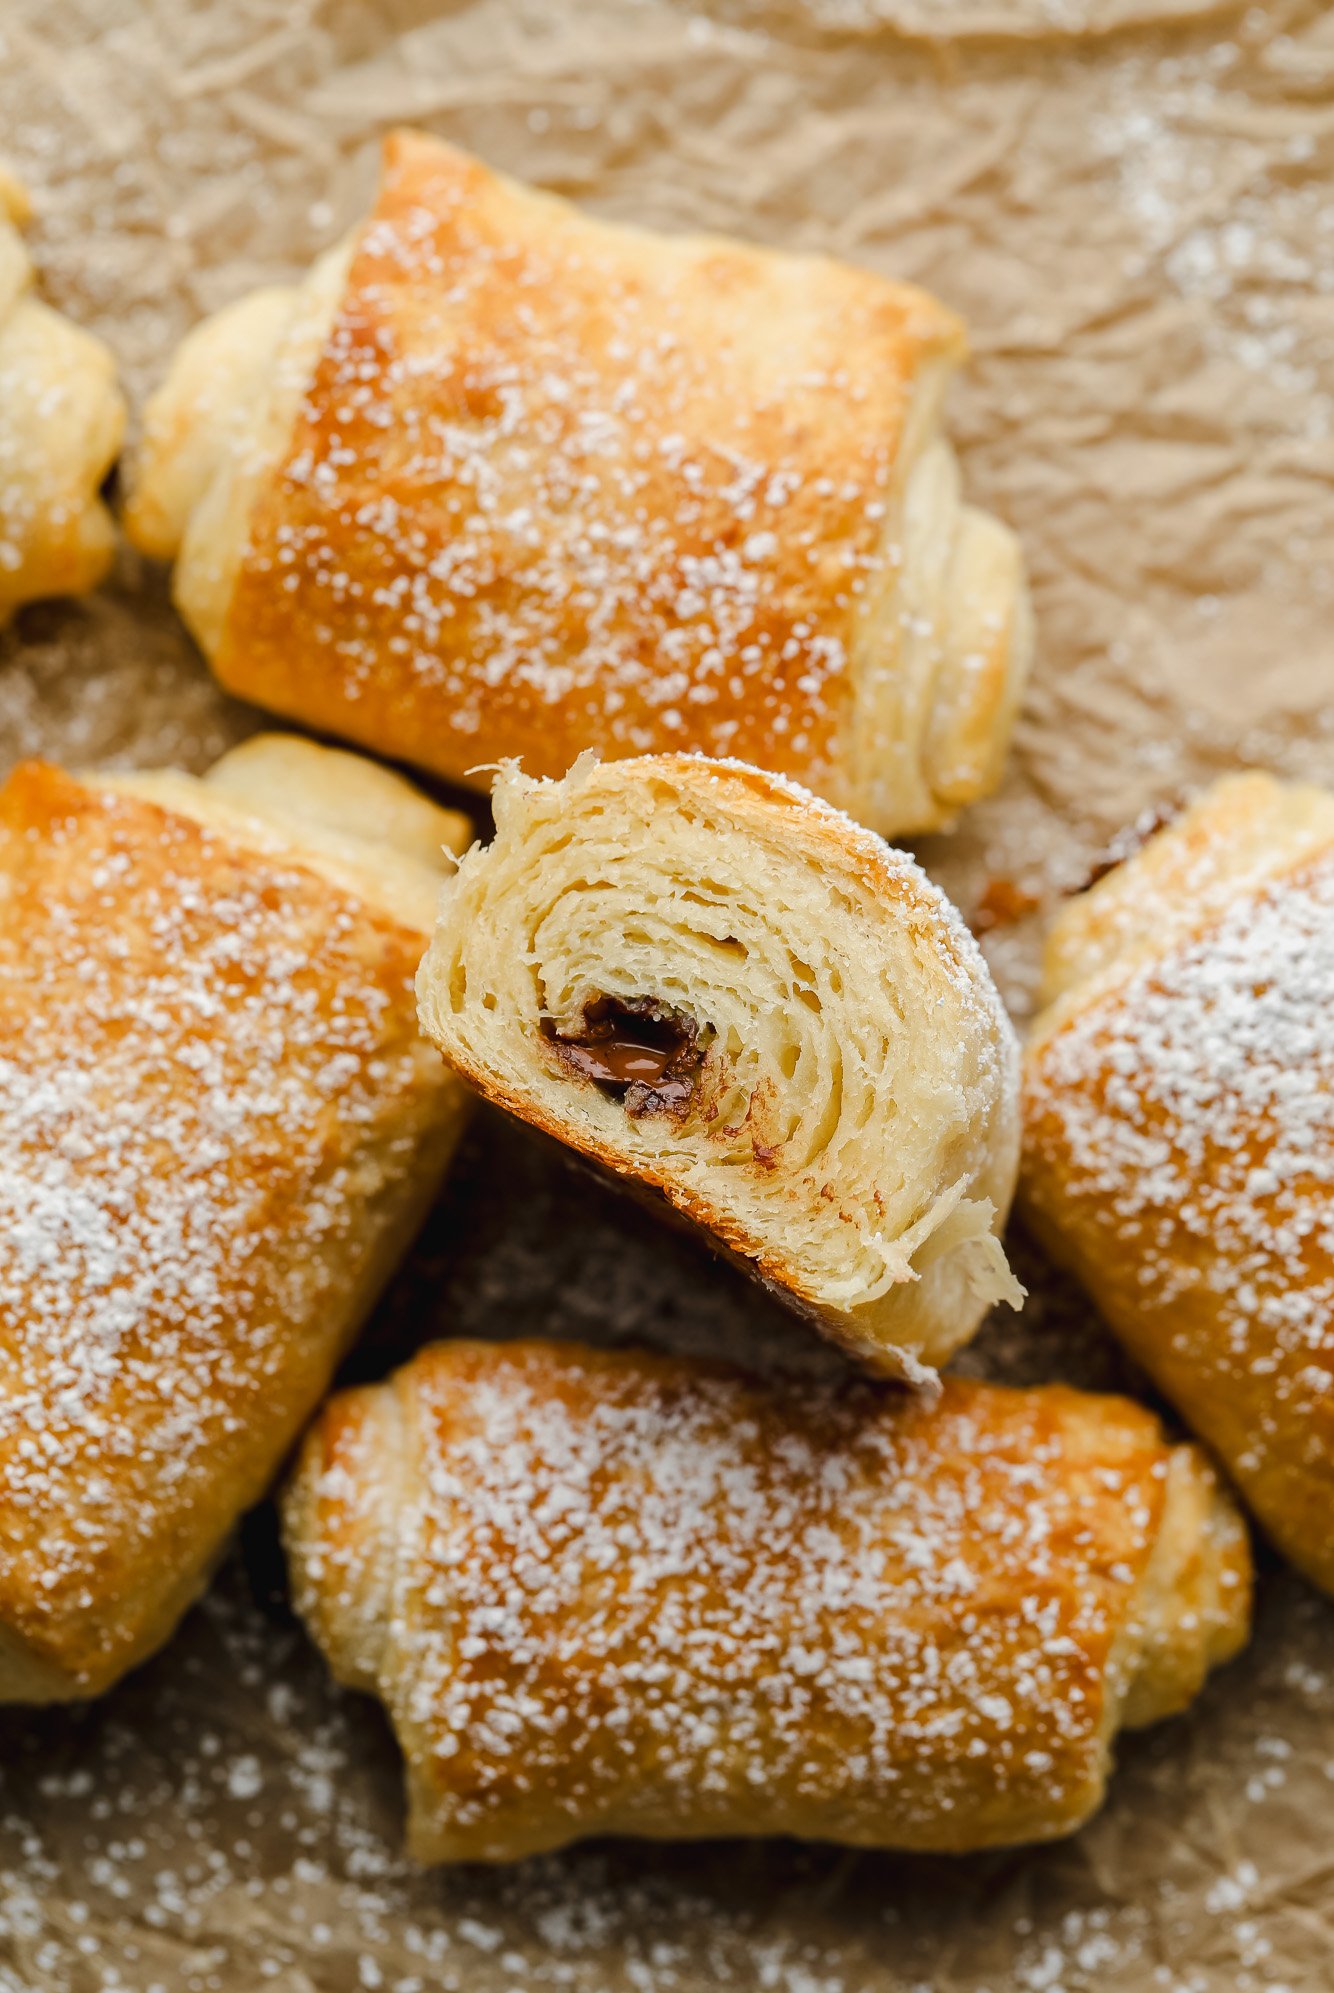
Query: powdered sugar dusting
pixel 1194 1112
pixel 553 485
pixel 632 1593
pixel 968 167
pixel 198 1051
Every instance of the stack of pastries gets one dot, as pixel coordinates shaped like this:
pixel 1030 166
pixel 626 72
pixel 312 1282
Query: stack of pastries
pixel 669 530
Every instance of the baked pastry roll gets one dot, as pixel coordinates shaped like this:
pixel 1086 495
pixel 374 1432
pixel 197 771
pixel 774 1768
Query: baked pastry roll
pixel 61 422
pixel 500 479
pixel 740 1002
pixel 218 1128
pixel 1180 1132
pixel 604 1592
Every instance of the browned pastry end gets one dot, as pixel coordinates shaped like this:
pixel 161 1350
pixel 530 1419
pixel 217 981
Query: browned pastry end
pixel 1179 1132
pixel 606 1592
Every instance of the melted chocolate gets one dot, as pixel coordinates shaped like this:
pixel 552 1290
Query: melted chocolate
pixel 641 1052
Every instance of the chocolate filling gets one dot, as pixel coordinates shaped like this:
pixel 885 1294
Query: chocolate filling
pixel 642 1052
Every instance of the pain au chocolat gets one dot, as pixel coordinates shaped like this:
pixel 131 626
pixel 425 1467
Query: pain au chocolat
pixel 500 479
pixel 616 1593
pixel 1179 1150
pixel 61 422
pixel 218 1128
pixel 739 1001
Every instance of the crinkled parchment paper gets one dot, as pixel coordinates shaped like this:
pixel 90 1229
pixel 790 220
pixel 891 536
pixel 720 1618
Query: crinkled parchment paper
pixel 1133 203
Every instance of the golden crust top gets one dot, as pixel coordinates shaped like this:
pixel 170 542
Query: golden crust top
pixel 211 1086
pixel 561 484
pixel 612 1592
pixel 1179 1133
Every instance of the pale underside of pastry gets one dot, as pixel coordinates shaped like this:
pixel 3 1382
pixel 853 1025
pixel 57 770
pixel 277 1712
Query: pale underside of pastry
pixel 739 1001
pixel 61 423
pixel 1179 1147
pixel 219 1127
pixel 614 1593
pixel 501 479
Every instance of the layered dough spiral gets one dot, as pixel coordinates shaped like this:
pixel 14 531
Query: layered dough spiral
pixel 500 479
pixel 61 422
pixel 1179 1132
pixel 827 1076
pixel 616 1593
pixel 218 1129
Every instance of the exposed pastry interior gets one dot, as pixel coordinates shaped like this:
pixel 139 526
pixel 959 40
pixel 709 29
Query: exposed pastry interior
pixel 737 1000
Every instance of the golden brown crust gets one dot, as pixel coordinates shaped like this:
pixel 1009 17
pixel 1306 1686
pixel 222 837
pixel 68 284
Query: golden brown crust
pixel 218 1127
pixel 611 1592
pixel 556 484
pixel 1179 1133
pixel 61 422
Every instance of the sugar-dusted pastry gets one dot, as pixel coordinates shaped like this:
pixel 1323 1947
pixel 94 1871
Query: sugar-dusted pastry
pixel 61 421
pixel 501 479
pixel 604 1592
pixel 218 1128
pixel 1180 1132
pixel 739 1001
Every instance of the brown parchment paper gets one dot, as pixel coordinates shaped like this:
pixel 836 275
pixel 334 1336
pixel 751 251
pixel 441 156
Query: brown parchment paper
pixel 1132 201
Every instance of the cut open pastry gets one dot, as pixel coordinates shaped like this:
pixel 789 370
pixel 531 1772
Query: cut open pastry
pixel 502 479
pixel 1179 1132
pixel 731 995
pixel 61 423
pixel 219 1127
pixel 605 1592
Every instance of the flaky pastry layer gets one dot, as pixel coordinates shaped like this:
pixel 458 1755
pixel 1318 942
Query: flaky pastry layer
pixel 844 1120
